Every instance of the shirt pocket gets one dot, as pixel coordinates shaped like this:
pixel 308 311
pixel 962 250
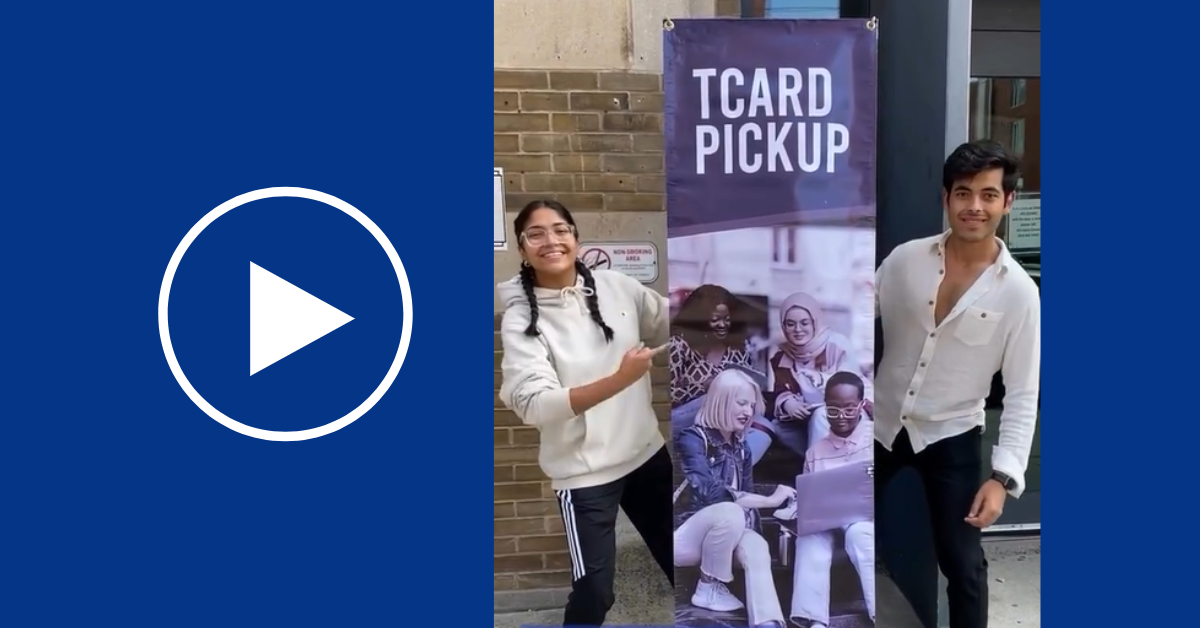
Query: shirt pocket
pixel 977 326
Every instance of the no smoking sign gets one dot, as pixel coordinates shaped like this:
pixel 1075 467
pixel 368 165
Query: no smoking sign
pixel 636 259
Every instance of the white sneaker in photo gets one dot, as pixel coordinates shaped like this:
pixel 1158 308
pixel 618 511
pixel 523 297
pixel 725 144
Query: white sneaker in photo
pixel 787 513
pixel 715 596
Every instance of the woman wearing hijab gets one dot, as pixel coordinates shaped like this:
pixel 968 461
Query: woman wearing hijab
pixel 809 354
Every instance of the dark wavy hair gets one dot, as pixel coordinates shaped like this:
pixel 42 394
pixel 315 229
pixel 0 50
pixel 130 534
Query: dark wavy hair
pixel 692 321
pixel 979 156
pixel 527 273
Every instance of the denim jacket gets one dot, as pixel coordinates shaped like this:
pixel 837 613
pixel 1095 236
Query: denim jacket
pixel 711 466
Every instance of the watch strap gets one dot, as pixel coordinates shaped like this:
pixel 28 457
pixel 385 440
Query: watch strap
pixel 1005 481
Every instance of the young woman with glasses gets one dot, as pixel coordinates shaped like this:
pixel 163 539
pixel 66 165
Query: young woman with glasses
pixel 578 347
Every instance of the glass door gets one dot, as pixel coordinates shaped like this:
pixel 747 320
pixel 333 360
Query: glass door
pixel 1008 110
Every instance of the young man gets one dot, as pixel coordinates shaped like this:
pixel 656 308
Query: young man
pixel 848 442
pixel 956 308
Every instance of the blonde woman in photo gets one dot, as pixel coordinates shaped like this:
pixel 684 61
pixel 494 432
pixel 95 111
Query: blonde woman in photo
pixel 720 517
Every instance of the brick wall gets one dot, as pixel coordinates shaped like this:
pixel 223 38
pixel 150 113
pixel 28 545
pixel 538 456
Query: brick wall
pixel 592 140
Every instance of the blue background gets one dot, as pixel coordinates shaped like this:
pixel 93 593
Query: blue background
pixel 1119 325
pixel 123 504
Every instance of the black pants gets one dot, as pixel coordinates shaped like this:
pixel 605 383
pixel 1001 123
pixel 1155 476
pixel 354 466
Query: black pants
pixel 950 471
pixel 590 519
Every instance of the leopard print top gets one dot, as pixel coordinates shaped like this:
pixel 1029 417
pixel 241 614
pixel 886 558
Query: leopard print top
pixel 691 372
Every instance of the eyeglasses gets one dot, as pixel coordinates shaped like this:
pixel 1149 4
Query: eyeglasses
pixel 539 236
pixel 837 413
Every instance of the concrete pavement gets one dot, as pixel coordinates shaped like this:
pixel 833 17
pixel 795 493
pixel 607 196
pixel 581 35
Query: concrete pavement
pixel 1015 589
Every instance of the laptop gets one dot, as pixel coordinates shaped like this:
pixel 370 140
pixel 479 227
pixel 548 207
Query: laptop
pixel 834 498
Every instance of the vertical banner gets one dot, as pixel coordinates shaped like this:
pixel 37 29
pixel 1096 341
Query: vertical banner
pixel 770 144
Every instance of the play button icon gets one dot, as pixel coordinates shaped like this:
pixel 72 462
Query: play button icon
pixel 308 364
pixel 284 318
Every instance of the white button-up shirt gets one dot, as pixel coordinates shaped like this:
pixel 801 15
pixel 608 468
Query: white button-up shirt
pixel 933 379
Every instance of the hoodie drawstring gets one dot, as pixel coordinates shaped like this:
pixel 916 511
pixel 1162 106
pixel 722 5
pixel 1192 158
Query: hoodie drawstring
pixel 571 294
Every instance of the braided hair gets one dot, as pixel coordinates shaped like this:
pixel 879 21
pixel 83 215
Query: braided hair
pixel 527 274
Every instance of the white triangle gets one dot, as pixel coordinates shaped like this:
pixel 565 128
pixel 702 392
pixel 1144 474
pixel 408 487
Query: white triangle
pixel 284 318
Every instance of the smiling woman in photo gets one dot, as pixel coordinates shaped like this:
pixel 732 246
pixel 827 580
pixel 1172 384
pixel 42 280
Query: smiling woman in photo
pixel 707 337
pixel 810 352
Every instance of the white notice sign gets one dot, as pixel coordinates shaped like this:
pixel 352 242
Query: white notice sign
pixel 636 259
pixel 500 239
pixel 1025 224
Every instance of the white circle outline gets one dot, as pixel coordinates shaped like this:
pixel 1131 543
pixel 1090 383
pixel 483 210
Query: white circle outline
pixel 164 328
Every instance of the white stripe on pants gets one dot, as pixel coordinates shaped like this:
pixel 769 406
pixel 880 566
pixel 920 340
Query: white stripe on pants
pixel 572 531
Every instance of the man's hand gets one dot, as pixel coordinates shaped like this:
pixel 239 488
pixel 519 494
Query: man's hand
pixel 989 503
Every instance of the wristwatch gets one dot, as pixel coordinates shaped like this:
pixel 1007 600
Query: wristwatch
pixel 1005 481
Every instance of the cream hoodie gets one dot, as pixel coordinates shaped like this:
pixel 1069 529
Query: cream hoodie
pixel 616 436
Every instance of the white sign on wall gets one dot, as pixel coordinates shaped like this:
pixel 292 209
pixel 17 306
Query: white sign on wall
pixel 500 239
pixel 636 259
pixel 1025 224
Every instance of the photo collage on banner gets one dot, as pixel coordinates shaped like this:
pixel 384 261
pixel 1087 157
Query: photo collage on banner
pixel 770 144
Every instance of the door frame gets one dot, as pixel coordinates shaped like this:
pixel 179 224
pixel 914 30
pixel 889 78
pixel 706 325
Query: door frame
pixel 1005 42
pixel 1006 39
